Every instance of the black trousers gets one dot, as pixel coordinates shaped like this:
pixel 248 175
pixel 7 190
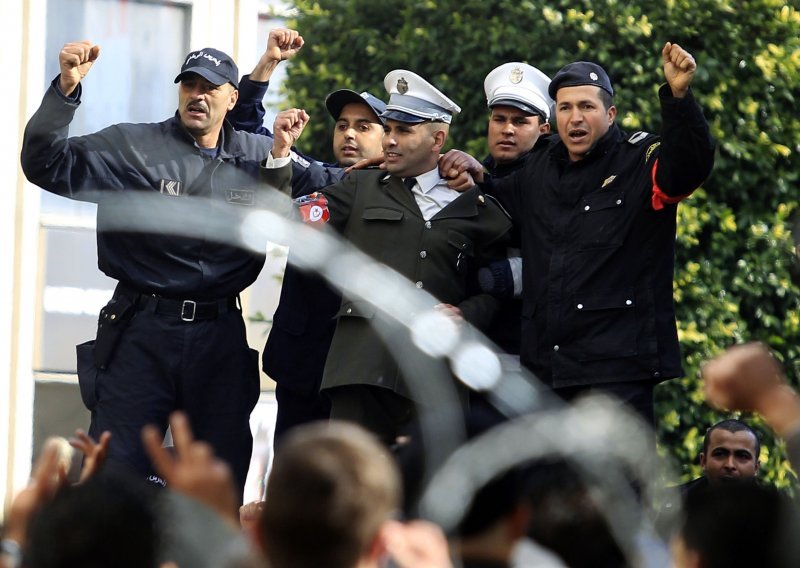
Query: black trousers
pixel 381 411
pixel 161 364
pixel 637 395
pixel 296 408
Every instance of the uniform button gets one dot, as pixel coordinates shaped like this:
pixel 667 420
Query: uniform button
pixel 580 306
pixel 427 224
pixel 423 253
pixel 419 284
pixel 586 208
pixel 555 347
pixel 656 375
pixel 628 302
pixel 619 202
pixel 113 317
pixel 349 310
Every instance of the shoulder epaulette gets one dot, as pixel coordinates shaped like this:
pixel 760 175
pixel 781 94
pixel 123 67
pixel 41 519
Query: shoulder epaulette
pixel 637 137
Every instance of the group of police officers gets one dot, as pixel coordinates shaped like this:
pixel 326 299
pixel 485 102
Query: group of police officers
pixel 560 246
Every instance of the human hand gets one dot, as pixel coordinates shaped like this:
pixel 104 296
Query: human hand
pixel 455 162
pixel 747 377
pixel 366 163
pixel 287 128
pixel 679 68
pixel 451 311
pixel 75 60
pixel 95 452
pixel 282 44
pixel 194 470
pixel 48 477
pixel 249 515
pixel 416 544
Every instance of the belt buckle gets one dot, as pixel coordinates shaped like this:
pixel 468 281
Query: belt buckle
pixel 192 308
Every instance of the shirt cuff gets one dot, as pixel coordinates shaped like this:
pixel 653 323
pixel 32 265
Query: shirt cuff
pixel 275 163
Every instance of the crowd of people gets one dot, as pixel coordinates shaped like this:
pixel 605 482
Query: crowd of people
pixel 558 246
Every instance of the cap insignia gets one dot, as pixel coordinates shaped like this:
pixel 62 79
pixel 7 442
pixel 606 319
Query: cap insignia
pixel 593 76
pixel 516 75
pixel 402 86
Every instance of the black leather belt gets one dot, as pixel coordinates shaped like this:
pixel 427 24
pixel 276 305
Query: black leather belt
pixel 187 310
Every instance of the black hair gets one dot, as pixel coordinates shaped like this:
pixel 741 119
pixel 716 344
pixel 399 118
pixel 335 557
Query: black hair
pixel 732 425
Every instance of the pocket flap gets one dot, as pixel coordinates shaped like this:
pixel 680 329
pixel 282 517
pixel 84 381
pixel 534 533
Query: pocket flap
pixel 461 242
pixel 600 201
pixel 382 214
pixel 605 301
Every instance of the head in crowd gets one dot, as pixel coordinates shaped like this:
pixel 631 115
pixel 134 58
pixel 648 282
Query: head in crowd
pixel 331 489
pixel 209 83
pixel 497 517
pixel 416 123
pixel 584 106
pixel 107 521
pixel 358 132
pixel 520 110
pixel 730 452
pixel 738 525
pixel 567 520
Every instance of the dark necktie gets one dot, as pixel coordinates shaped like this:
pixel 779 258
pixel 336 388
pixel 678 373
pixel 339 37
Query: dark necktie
pixel 410 183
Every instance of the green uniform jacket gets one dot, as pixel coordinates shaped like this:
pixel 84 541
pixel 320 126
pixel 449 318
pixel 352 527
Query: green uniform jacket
pixel 379 215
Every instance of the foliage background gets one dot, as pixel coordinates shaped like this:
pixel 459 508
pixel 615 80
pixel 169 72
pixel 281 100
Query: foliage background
pixel 737 277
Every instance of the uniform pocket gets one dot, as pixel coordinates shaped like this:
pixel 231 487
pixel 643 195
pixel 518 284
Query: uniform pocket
pixel 607 323
pixel 87 374
pixel 602 221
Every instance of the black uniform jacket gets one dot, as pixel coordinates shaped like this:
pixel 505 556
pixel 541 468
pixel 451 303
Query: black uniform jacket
pixel 379 215
pixel 167 244
pixel 598 247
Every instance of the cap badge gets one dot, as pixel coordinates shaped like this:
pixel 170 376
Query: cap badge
pixel 402 86
pixel 516 75
pixel 593 76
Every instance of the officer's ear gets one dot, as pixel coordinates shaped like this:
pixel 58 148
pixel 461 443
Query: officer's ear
pixel 233 98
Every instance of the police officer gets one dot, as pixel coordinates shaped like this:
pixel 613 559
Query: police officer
pixel 410 220
pixel 516 94
pixel 304 321
pixel 173 335
pixel 597 210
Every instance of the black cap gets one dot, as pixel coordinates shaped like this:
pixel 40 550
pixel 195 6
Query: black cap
pixel 337 100
pixel 211 64
pixel 580 73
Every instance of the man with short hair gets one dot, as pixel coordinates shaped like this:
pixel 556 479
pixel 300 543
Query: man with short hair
pixel 410 220
pixel 304 321
pixel 730 452
pixel 171 200
pixel 330 493
pixel 516 94
pixel 597 209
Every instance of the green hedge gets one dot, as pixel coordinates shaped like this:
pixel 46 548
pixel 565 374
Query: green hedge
pixel 737 278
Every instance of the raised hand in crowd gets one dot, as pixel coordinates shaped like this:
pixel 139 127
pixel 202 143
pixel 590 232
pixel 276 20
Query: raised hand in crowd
pixel 679 68
pixel 747 377
pixel 287 128
pixel 48 477
pixel 95 453
pixel 282 44
pixel 193 470
pixel 75 60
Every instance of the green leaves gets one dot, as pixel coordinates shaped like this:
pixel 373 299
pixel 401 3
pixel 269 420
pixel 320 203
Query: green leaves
pixel 737 277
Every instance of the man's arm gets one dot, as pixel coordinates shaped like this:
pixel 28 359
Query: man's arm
pixel 249 112
pixel 686 155
pixel 49 158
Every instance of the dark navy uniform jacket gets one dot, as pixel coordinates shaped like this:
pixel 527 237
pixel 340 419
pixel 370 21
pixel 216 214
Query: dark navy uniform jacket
pixel 304 321
pixel 185 252
pixel 598 243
